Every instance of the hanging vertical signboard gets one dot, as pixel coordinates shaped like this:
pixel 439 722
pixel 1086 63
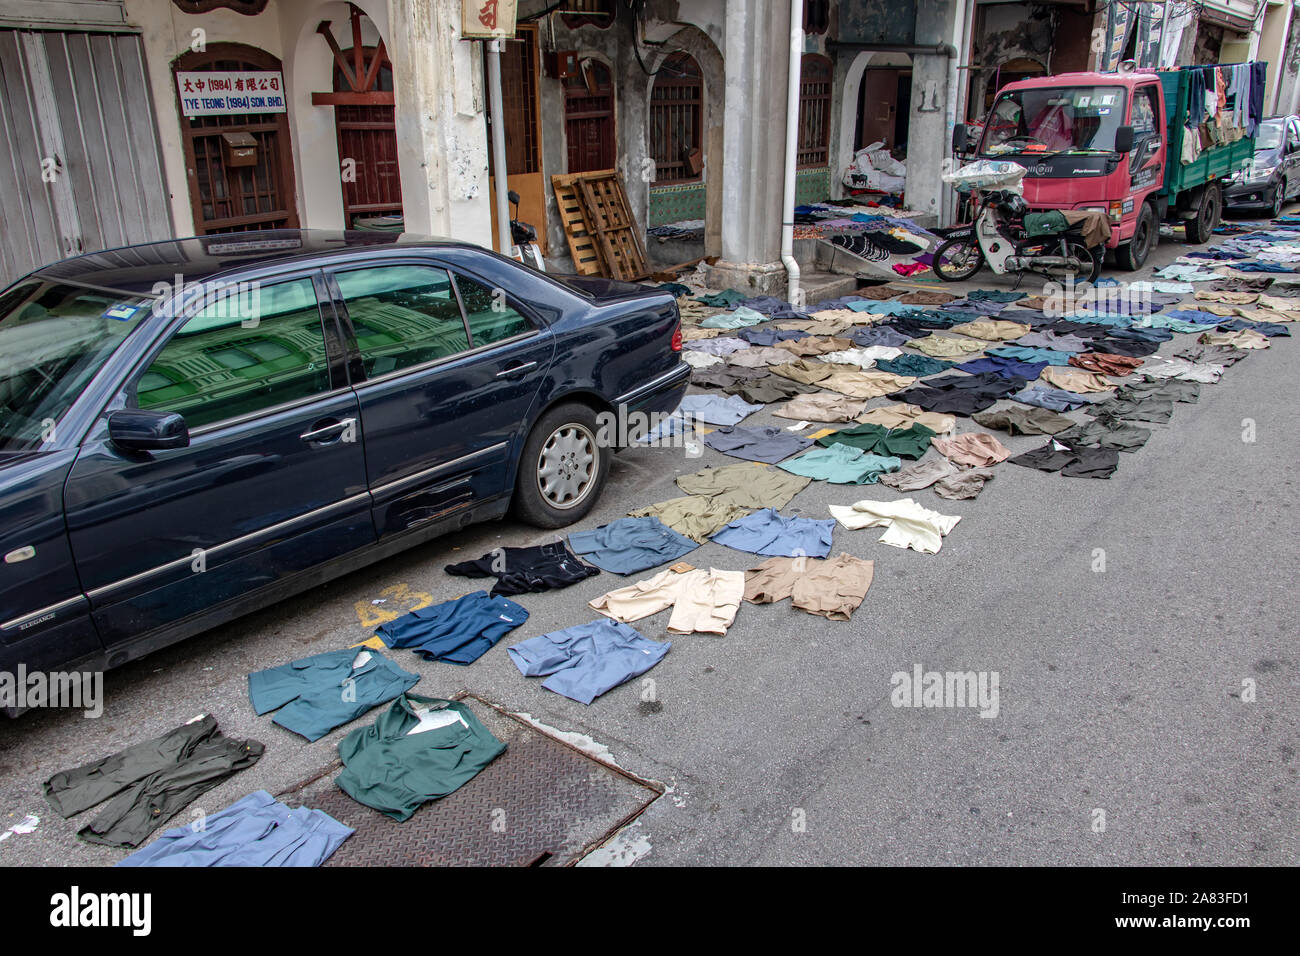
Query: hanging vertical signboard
pixel 488 19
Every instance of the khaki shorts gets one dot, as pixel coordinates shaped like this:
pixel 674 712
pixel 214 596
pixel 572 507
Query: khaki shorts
pixel 702 601
pixel 831 587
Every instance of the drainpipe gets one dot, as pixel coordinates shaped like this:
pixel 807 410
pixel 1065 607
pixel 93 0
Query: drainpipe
pixel 497 113
pixel 792 150
pixel 948 205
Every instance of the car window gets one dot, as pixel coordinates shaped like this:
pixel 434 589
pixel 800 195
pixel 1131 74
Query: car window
pixel 402 316
pixel 235 358
pixel 490 317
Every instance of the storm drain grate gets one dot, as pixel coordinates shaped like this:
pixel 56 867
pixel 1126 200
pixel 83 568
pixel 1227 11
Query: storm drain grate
pixel 541 803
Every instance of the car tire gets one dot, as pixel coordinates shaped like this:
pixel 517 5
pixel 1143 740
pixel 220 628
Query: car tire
pixel 562 469
pixel 1146 234
pixel 1279 200
pixel 1201 226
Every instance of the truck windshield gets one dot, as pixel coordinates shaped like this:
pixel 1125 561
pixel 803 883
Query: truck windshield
pixel 54 338
pixel 1059 119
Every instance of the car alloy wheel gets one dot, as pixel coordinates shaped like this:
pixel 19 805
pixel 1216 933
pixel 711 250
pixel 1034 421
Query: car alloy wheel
pixel 566 467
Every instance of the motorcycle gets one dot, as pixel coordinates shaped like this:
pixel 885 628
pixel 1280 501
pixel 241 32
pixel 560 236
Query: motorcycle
pixel 524 237
pixel 998 236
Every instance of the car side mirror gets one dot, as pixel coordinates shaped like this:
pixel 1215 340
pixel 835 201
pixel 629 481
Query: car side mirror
pixel 1124 139
pixel 960 138
pixel 138 430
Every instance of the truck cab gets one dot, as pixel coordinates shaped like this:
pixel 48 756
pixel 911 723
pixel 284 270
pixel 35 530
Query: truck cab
pixel 1104 141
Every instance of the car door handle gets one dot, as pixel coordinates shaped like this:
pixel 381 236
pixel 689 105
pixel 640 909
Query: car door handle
pixel 328 431
pixel 512 370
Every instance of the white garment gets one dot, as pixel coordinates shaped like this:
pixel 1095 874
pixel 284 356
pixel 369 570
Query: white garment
pixel 864 358
pixel 1184 370
pixel 906 524
pixel 699 359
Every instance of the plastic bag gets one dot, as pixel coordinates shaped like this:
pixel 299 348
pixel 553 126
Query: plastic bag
pixel 988 174
pixel 874 168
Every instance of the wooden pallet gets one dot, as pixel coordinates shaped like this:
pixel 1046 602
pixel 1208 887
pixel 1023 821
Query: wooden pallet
pixel 602 233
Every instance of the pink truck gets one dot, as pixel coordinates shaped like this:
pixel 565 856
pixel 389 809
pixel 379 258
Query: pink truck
pixel 1144 148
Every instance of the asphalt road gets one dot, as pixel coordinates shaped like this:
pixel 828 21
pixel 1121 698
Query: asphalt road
pixel 1121 690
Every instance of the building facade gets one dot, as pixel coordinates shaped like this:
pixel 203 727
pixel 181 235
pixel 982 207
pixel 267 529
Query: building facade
pixel 129 120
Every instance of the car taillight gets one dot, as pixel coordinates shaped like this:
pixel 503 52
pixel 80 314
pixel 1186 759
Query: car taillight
pixel 676 344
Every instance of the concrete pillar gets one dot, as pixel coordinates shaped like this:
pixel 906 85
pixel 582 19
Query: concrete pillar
pixel 929 133
pixel 755 60
pixel 442 146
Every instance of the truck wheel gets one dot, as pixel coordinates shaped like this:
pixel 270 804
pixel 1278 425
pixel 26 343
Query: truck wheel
pixel 1133 254
pixel 562 469
pixel 957 259
pixel 1201 226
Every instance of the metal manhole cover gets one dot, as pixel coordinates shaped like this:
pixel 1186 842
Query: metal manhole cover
pixel 541 803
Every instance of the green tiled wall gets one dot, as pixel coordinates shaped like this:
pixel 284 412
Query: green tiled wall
pixel 676 203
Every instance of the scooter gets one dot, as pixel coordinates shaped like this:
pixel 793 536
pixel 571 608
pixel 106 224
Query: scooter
pixel 524 237
pixel 998 236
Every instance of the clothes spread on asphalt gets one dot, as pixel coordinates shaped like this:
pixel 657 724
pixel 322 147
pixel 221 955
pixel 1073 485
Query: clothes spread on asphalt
pixel 257 830
pixel 148 783
pixel 419 749
pixel 911 441
pixel 314 695
pixel 543 567
pixel 457 632
pixel 715 410
pixel 702 601
pixel 842 465
pixel 771 533
pixel 629 545
pixel 588 660
pixel 906 523
pixel 745 486
pixel 697 517
pixel 830 587
pixel 765 443
pixel 1071 461
pixel 972 448
pixel 1023 421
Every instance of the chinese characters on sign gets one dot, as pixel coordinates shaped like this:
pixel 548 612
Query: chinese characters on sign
pixel 219 93
pixel 488 19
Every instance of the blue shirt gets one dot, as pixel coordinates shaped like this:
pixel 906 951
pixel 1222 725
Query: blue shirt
pixel 587 660
pixel 459 631
pixel 629 545
pixel 717 410
pixel 257 830
pixel 770 533
pixel 317 694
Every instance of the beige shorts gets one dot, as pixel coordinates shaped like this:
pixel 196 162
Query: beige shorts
pixel 702 601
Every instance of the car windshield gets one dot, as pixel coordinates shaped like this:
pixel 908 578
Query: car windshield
pixel 54 338
pixel 1059 119
pixel 1269 136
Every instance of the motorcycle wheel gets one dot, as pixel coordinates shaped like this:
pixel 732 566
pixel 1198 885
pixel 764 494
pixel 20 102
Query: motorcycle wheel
pixel 958 259
pixel 1079 250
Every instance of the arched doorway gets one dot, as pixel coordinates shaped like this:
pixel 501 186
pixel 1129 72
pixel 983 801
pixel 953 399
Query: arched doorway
pixel 365 121
pixel 589 118
pixel 239 166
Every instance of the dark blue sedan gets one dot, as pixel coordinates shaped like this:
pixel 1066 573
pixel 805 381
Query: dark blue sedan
pixel 192 430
